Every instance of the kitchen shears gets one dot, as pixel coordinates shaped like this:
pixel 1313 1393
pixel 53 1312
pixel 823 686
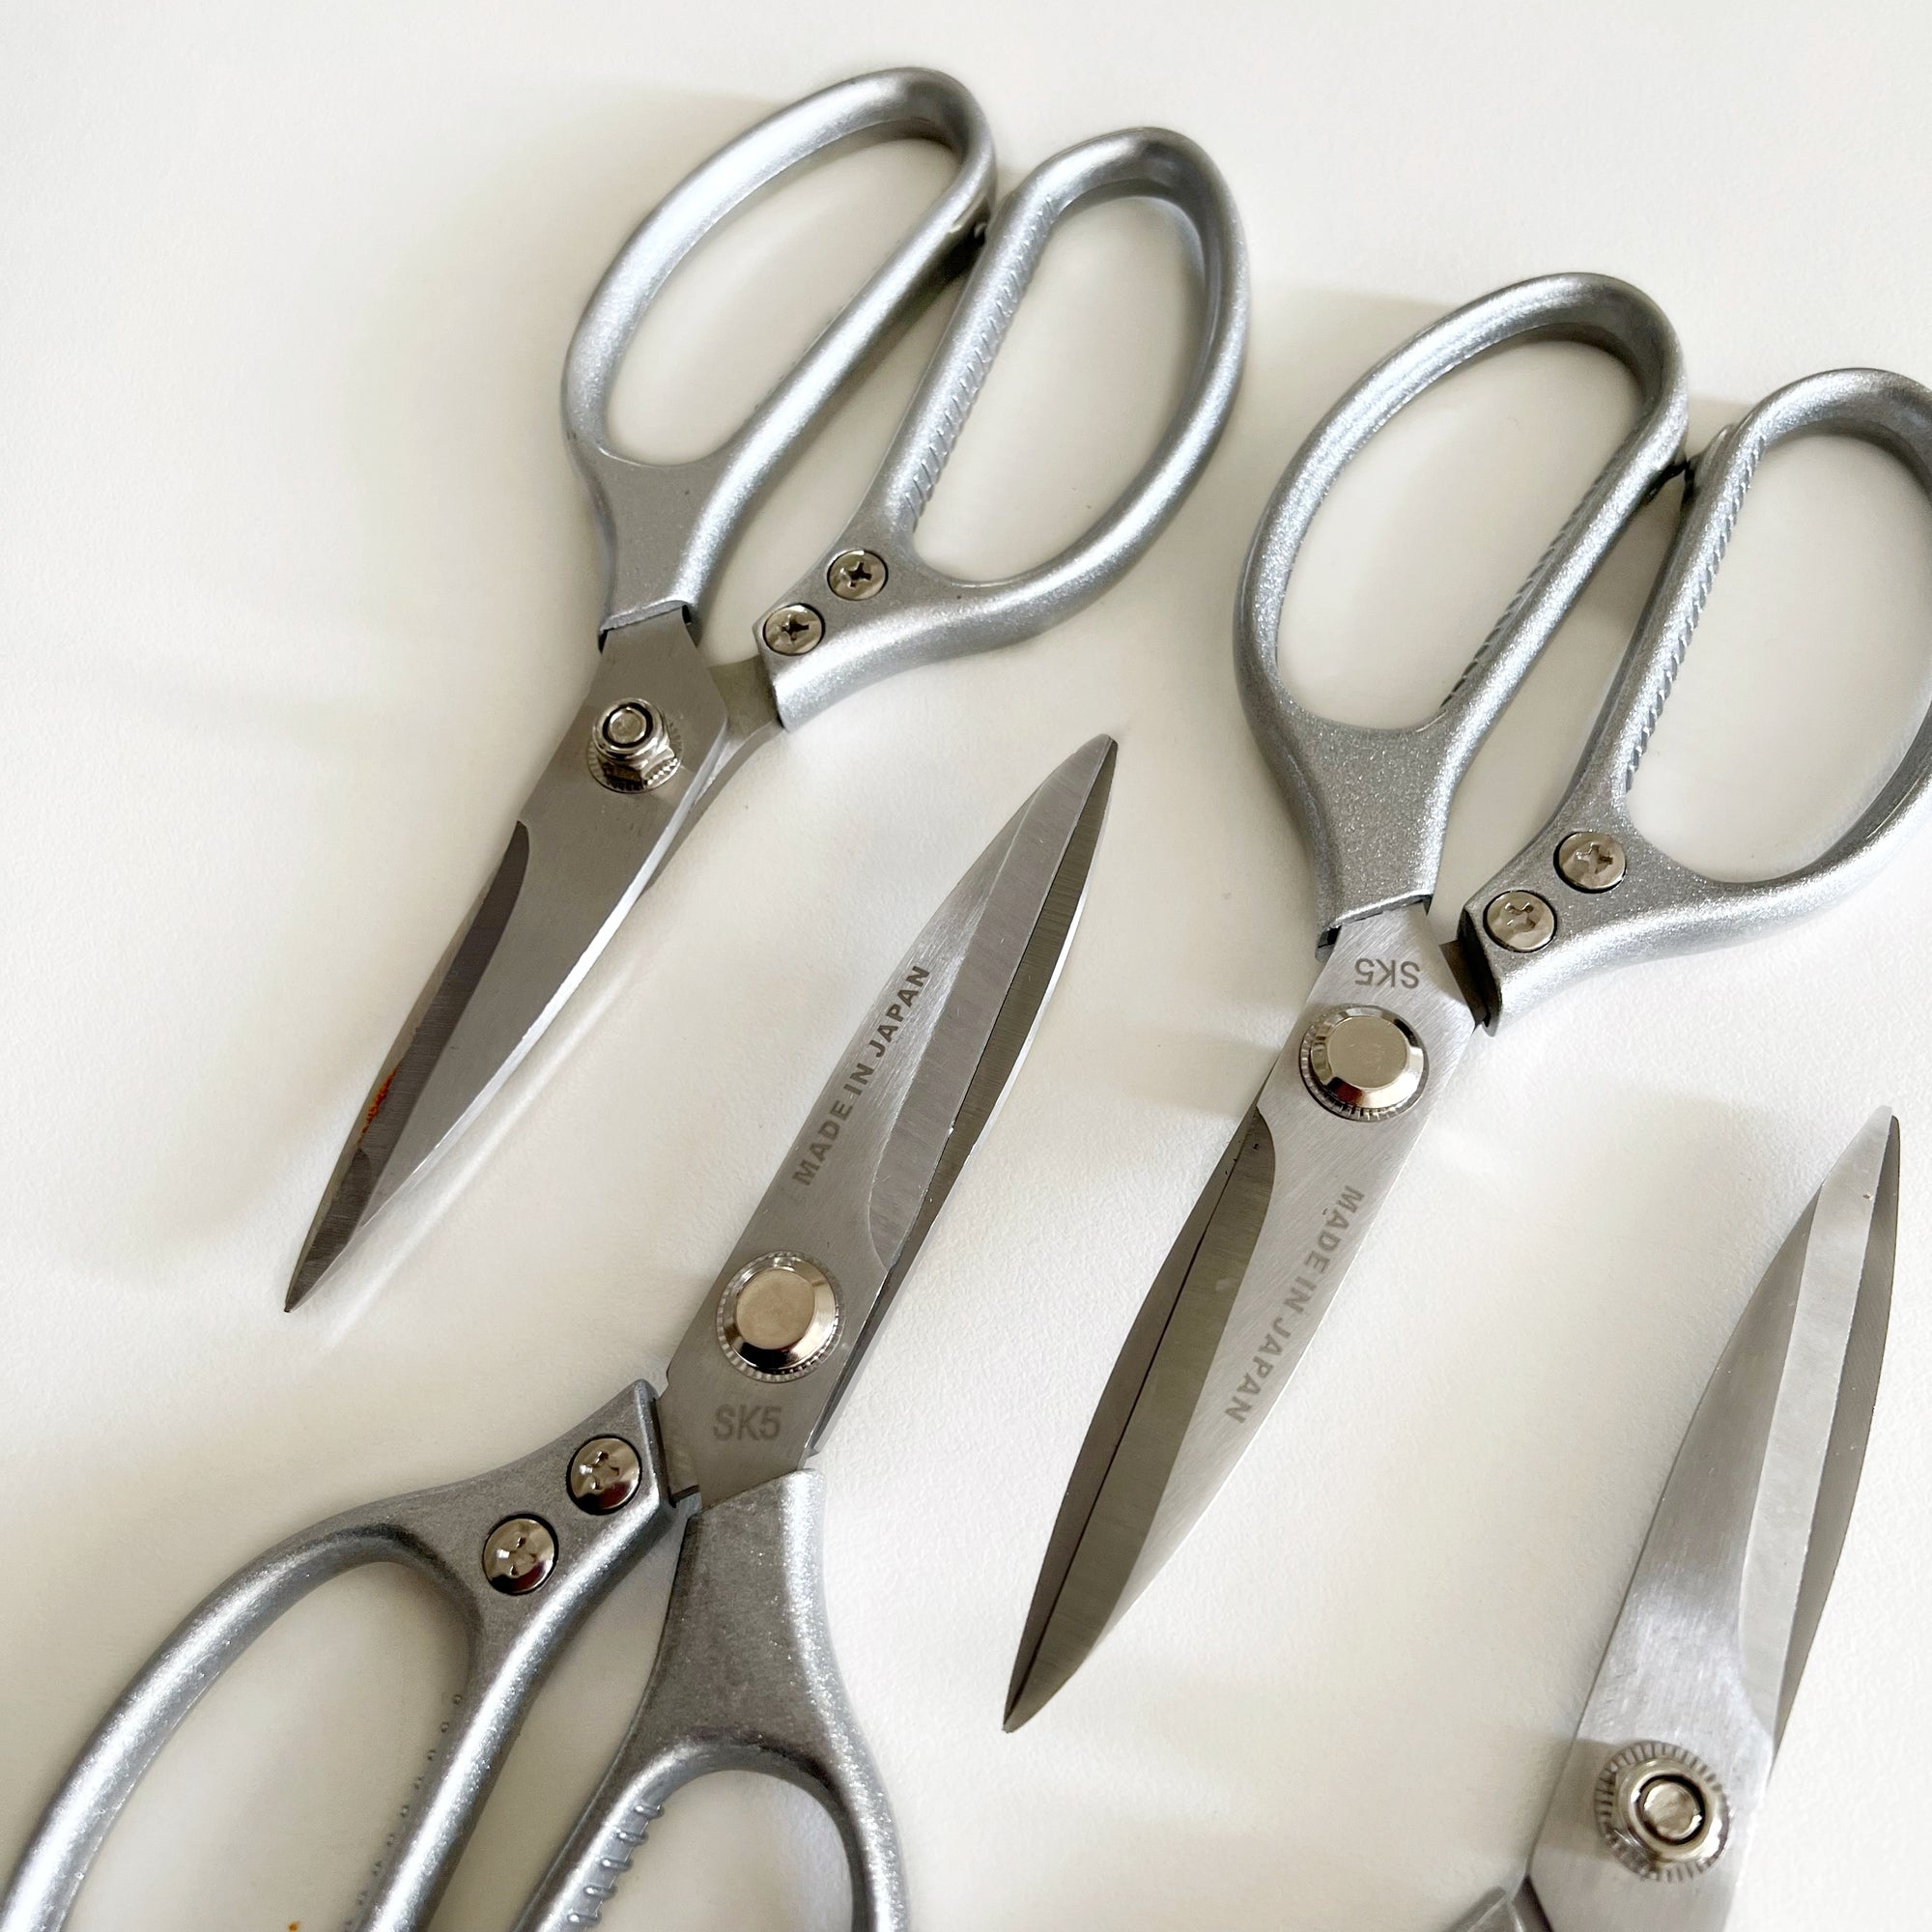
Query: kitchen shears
pixel 1651 1825
pixel 660 728
pixel 745 1677
pixel 1391 1013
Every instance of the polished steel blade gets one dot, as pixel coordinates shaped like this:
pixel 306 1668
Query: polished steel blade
pixel 1713 1638
pixel 855 1196
pixel 1236 1304
pixel 579 855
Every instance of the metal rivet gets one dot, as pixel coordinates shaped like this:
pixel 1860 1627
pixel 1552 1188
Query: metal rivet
pixel 519 1554
pixel 1593 862
pixel 1661 1810
pixel 632 748
pixel 605 1474
pixel 792 629
pixel 777 1317
pixel 1522 922
pixel 1362 1062
pixel 855 575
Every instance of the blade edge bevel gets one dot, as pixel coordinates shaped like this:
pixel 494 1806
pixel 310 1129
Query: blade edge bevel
pixel 1112 1421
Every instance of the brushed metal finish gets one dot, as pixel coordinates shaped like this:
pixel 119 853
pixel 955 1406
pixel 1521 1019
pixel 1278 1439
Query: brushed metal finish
pixel 884 1142
pixel 762 1668
pixel 745 1680
pixel 1373 806
pixel 667 530
pixel 1217 1345
pixel 1716 1628
pixel 578 857
pixel 920 612
pixel 512 1641
pixel 1661 906
pixel 1374 803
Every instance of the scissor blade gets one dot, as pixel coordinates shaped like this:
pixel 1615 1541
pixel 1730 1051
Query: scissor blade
pixel 861 1186
pixel 1506 1912
pixel 1715 1632
pixel 1235 1305
pixel 579 855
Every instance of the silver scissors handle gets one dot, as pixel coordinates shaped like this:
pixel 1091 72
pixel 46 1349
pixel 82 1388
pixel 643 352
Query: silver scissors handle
pixel 1374 803
pixel 833 634
pixel 668 527
pixel 745 1680
pixel 445 1534
pixel 1656 905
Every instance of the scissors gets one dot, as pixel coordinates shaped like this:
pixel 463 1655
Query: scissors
pixel 1652 1822
pixel 660 730
pixel 745 1677
pixel 1391 1013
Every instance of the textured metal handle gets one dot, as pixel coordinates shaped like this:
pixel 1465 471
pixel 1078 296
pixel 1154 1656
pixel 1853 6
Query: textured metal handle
pixel 922 613
pixel 512 1641
pixel 745 1680
pixel 667 528
pixel 1374 803
pixel 1659 906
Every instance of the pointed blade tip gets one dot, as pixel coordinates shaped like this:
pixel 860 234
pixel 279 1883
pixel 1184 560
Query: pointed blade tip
pixel 1026 1700
pixel 1868 1168
pixel 307 1278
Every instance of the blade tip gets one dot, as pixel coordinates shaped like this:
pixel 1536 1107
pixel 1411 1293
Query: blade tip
pixel 1021 1706
pixel 313 1267
pixel 1094 761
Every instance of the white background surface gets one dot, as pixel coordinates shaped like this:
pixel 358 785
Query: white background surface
pixel 298 588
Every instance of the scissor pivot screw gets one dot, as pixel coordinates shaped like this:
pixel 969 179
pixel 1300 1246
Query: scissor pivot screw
pixel 1661 1810
pixel 777 1317
pixel 792 630
pixel 1593 862
pixel 605 1474
pixel 1362 1062
pixel 632 748
pixel 519 1555
pixel 855 575
pixel 1521 921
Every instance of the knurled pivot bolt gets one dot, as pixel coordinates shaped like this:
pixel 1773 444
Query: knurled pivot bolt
pixel 1661 1810
pixel 1362 1062
pixel 605 1474
pixel 1593 862
pixel 519 1554
pixel 792 629
pixel 855 575
pixel 1521 921
pixel 632 748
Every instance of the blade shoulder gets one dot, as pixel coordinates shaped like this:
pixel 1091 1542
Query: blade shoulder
pixel 847 1213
